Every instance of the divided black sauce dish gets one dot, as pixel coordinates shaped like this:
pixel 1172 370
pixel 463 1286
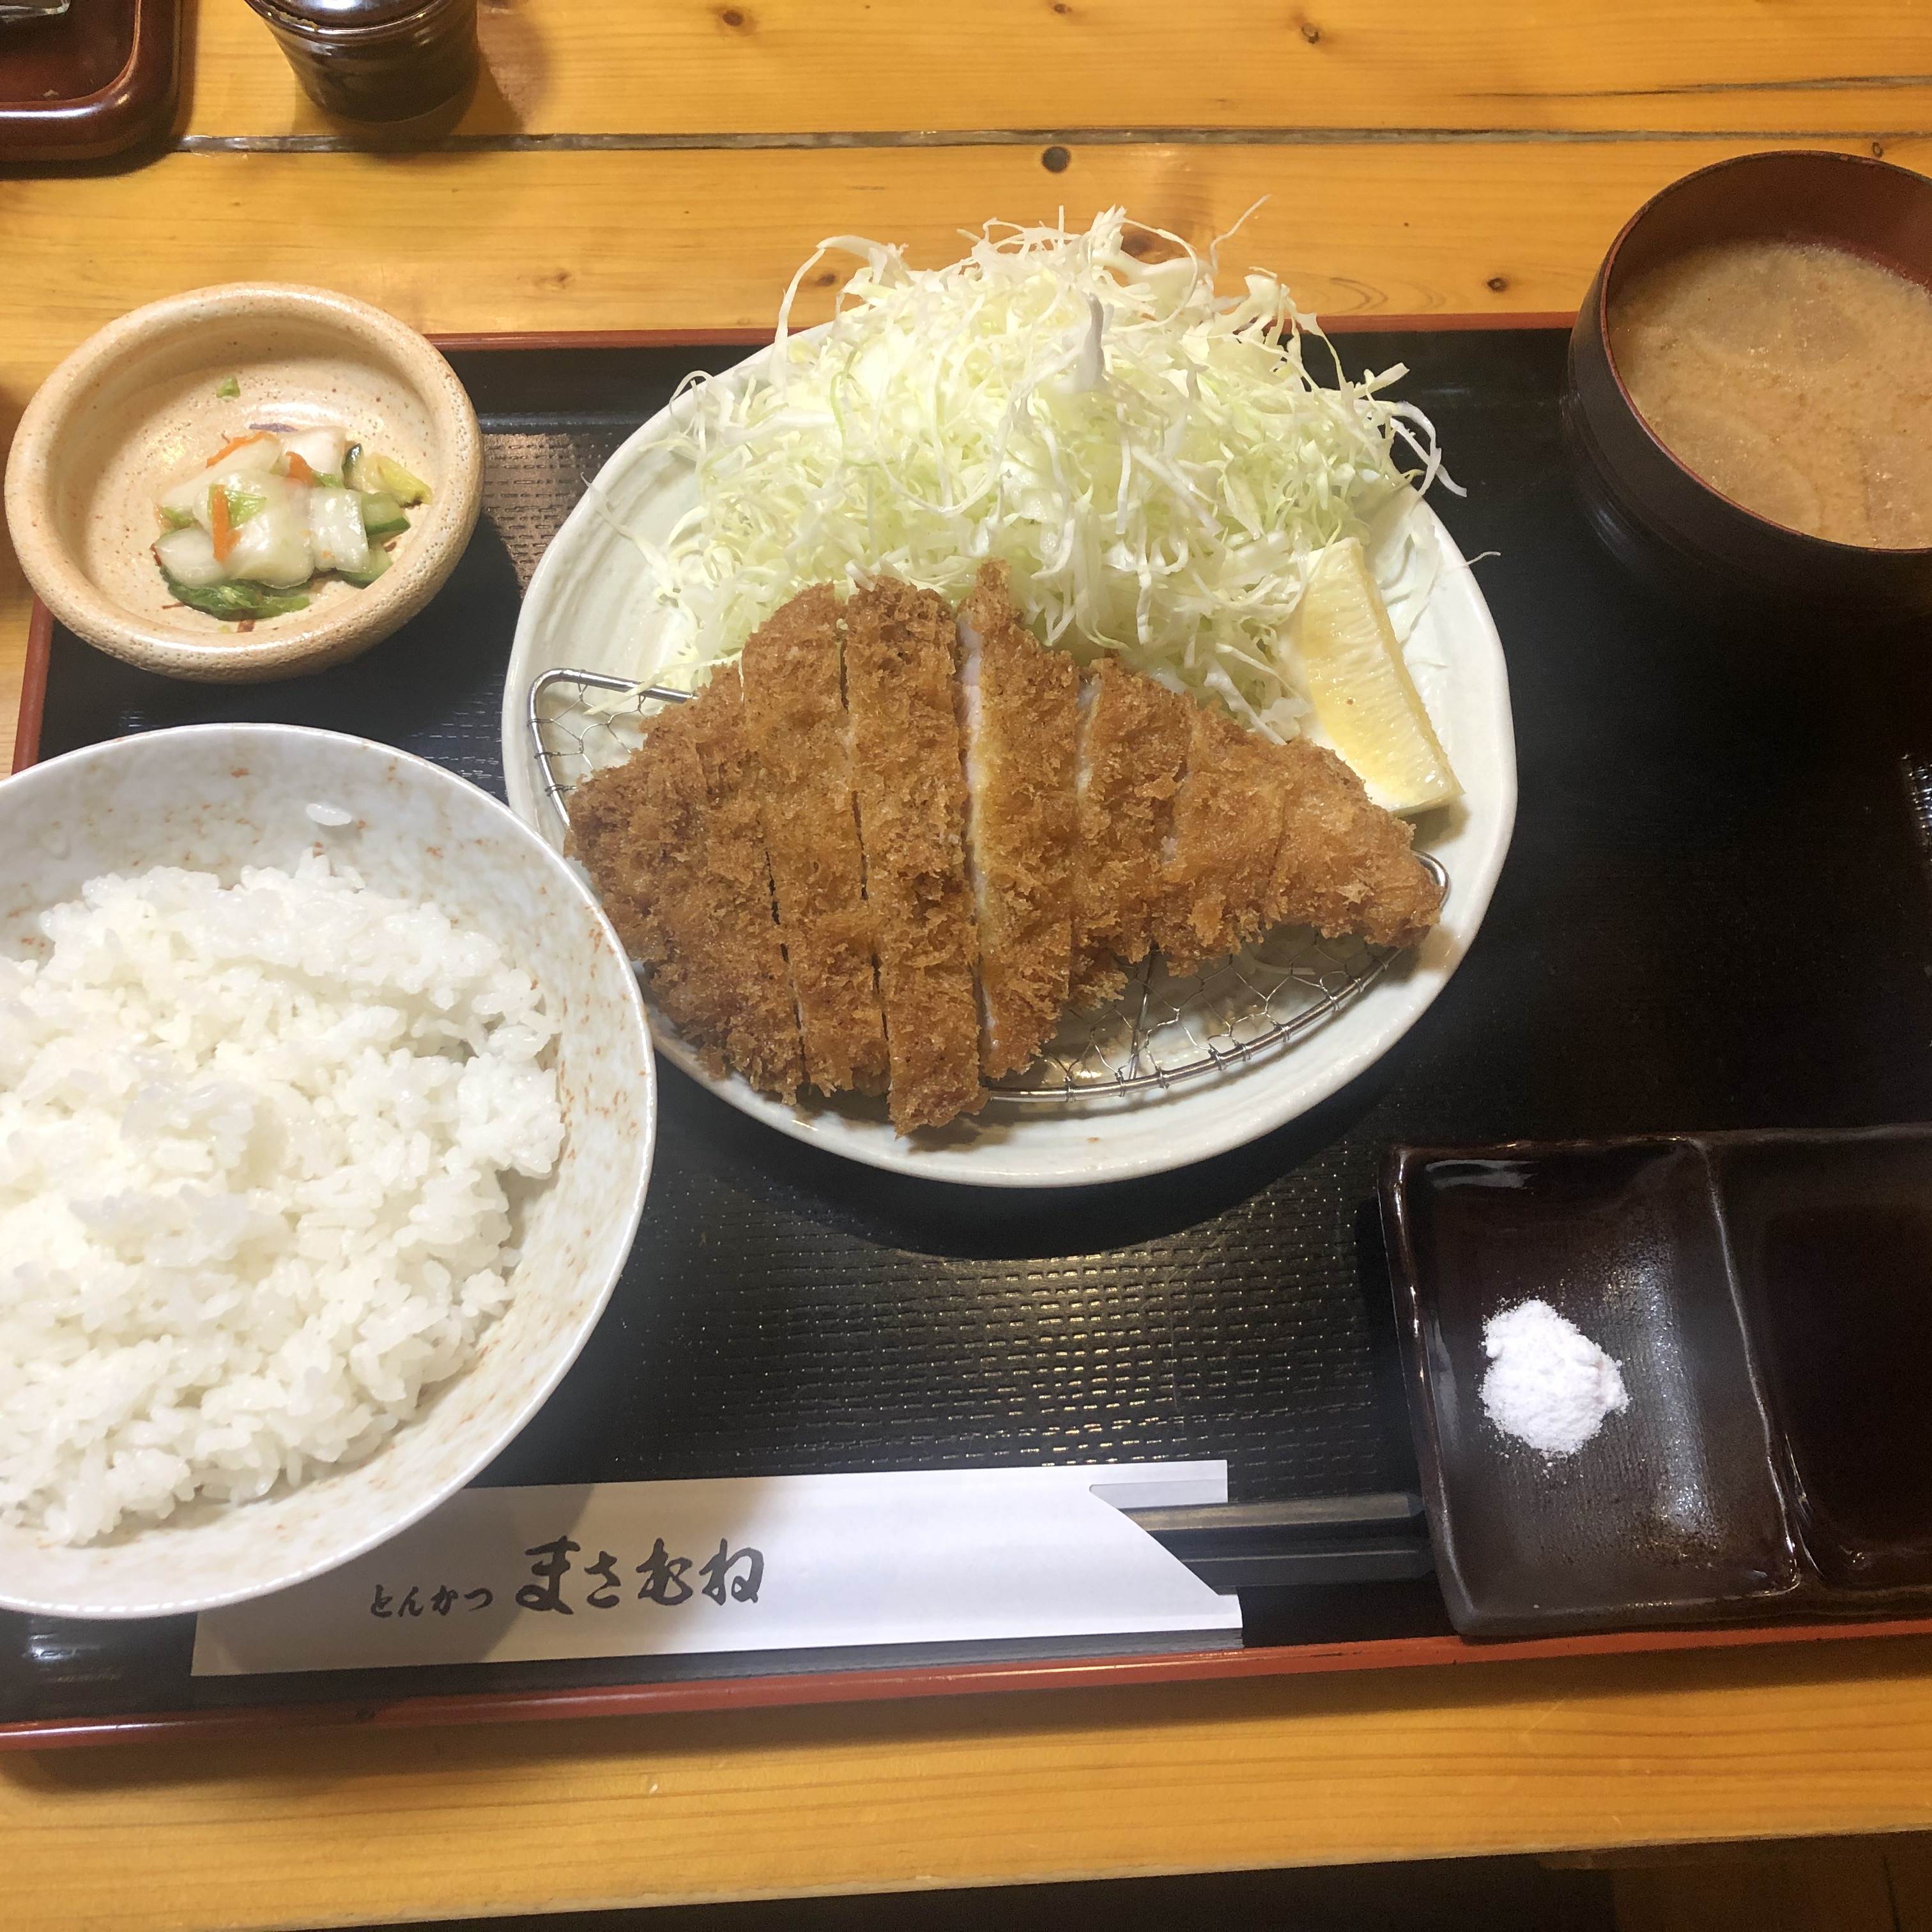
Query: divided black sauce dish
pixel 1768 1297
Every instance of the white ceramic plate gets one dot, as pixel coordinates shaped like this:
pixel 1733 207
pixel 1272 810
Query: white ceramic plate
pixel 589 607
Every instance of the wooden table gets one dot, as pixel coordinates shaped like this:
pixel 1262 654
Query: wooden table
pixel 667 166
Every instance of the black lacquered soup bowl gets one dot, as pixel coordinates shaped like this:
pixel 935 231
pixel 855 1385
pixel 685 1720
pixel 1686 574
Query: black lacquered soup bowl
pixel 1658 517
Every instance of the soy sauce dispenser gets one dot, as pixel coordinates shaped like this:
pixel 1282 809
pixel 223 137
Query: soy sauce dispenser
pixel 376 60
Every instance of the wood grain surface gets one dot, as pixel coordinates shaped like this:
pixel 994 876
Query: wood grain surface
pixel 667 166
pixel 717 68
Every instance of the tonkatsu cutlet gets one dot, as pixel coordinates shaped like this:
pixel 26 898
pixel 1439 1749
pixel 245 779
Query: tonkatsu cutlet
pixel 1017 704
pixel 901 653
pixel 672 838
pixel 1344 864
pixel 796 719
pixel 1227 827
pixel 1133 750
pixel 782 834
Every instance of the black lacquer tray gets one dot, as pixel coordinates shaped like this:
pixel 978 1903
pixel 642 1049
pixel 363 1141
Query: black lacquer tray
pixel 1715 915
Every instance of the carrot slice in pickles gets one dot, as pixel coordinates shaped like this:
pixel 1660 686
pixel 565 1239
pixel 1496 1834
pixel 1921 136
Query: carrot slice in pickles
pixel 234 443
pixel 222 530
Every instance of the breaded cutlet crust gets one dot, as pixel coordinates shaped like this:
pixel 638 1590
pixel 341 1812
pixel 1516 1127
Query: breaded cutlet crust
pixel 1192 835
pixel 672 838
pixel 625 823
pixel 1133 743
pixel 796 721
pixel 1344 864
pixel 1023 827
pixel 902 647
pixel 1227 829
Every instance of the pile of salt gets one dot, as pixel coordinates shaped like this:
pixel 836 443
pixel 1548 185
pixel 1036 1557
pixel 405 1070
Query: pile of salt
pixel 1549 1384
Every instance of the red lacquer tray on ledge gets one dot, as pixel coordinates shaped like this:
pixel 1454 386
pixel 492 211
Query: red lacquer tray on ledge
pixel 1240 1309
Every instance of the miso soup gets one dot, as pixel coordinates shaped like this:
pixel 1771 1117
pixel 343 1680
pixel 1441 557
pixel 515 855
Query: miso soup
pixel 1795 378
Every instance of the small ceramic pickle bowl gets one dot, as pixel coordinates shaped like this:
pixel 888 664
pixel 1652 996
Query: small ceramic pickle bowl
pixel 1769 1299
pixel 1660 519
pixel 139 403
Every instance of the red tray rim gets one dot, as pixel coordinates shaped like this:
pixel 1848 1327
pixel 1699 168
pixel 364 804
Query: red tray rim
pixel 885 1684
pixel 888 1685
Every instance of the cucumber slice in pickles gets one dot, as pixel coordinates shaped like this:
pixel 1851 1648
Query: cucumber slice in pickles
pixel 378 562
pixel 379 475
pixel 391 477
pixel 381 514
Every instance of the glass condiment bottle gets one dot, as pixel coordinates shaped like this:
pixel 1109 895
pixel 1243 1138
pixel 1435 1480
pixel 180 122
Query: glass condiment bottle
pixel 376 60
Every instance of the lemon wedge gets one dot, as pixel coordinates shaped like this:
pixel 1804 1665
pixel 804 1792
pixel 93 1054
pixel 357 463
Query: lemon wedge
pixel 1365 702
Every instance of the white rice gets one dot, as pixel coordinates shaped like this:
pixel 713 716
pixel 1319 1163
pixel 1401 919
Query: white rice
pixel 252 1149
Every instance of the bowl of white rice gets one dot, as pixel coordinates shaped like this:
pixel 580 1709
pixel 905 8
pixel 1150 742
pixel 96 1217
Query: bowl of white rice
pixel 326 1112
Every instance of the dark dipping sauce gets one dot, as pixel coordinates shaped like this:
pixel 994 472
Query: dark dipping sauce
pixel 1834 1254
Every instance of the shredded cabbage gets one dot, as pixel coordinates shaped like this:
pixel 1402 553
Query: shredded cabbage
pixel 1153 461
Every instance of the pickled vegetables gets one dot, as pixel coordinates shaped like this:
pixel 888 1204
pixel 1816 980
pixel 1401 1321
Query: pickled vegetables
pixel 273 514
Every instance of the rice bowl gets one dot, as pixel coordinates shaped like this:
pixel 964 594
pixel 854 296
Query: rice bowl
pixel 441 1384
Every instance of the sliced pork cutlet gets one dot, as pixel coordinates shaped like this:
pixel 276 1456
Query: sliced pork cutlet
pixel 796 720
pixel 1017 709
pixel 1221 850
pixel 901 651
pixel 672 839
pixel 1344 864
pixel 1132 753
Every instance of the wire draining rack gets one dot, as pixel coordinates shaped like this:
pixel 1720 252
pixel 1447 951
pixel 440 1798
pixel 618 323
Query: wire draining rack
pixel 1161 1031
